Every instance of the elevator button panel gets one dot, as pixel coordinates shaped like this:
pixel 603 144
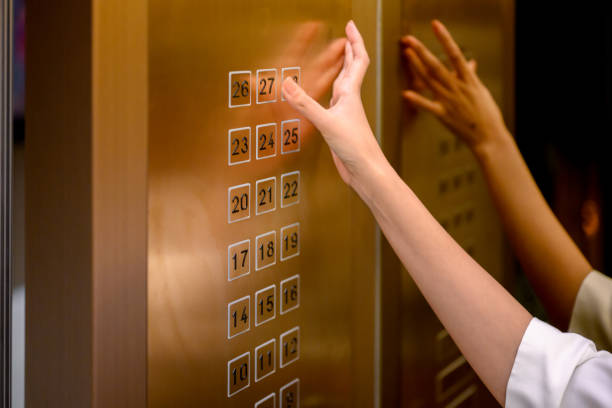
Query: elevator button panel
pixel 246 211
pixel 268 194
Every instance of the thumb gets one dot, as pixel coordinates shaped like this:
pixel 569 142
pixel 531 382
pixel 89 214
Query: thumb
pixel 304 104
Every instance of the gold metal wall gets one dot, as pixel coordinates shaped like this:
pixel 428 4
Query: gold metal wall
pixel 194 46
pixel 444 174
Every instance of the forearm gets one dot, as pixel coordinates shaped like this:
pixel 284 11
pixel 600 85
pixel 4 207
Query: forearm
pixel 484 320
pixel 552 261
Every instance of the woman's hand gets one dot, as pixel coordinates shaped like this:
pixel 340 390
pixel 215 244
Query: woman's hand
pixel 344 125
pixel 459 100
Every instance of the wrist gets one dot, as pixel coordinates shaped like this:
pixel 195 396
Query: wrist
pixel 371 179
pixel 493 145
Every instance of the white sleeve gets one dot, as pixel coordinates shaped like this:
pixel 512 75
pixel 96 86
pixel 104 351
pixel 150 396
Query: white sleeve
pixel 592 314
pixel 555 369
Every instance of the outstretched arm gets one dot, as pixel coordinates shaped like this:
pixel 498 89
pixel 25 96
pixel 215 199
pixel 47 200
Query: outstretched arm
pixel 482 317
pixel 552 261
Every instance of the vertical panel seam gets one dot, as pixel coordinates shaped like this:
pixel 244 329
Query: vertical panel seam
pixel 377 232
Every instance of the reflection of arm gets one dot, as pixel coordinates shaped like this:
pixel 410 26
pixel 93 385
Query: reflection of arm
pixel 485 321
pixel 553 263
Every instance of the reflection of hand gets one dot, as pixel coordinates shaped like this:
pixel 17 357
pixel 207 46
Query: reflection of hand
pixel 344 125
pixel 320 60
pixel 319 68
pixel 460 100
pixel 320 63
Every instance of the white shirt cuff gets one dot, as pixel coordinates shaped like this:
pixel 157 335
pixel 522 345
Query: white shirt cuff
pixel 544 364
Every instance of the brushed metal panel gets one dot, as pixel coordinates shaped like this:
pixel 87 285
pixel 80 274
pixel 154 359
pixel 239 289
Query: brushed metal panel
pixel 119 194
pixel 58 230
pixel 86 204
pixel 444 174
pixel 193 45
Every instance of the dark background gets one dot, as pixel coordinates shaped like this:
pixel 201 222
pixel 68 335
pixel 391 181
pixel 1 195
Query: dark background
pixel 563 111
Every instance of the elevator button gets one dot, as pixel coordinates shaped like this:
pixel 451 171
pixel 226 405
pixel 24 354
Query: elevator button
pixel 238 206
pixel 266 250
pixel 445 349
pixel 266 85
pixel 289 294
pixel 290 395
pixel 238 374
pixel 290 136
pixel 265 305
pixel 290 346
pixel 238 316
pixel 239 88
pixel 238 259
pixel 267 402
pixel 291 72
pixel 443 185
pixel 470 176
pixel 455 375
pixel 290 189
pixel 265 142
pixel 239 146
pixel 265 360
pixel 290 241
pixel 266 195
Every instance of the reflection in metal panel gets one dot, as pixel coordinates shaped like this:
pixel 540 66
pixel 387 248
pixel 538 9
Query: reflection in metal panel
pixel 444 174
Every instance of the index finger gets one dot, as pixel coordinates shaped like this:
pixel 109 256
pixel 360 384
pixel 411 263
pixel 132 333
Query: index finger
pixel 453 51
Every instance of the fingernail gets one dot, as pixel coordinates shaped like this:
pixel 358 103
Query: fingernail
pixel 289 86
pixel 410 40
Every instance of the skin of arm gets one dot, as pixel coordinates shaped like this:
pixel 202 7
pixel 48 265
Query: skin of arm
pixel 485 321
pixel 552 261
